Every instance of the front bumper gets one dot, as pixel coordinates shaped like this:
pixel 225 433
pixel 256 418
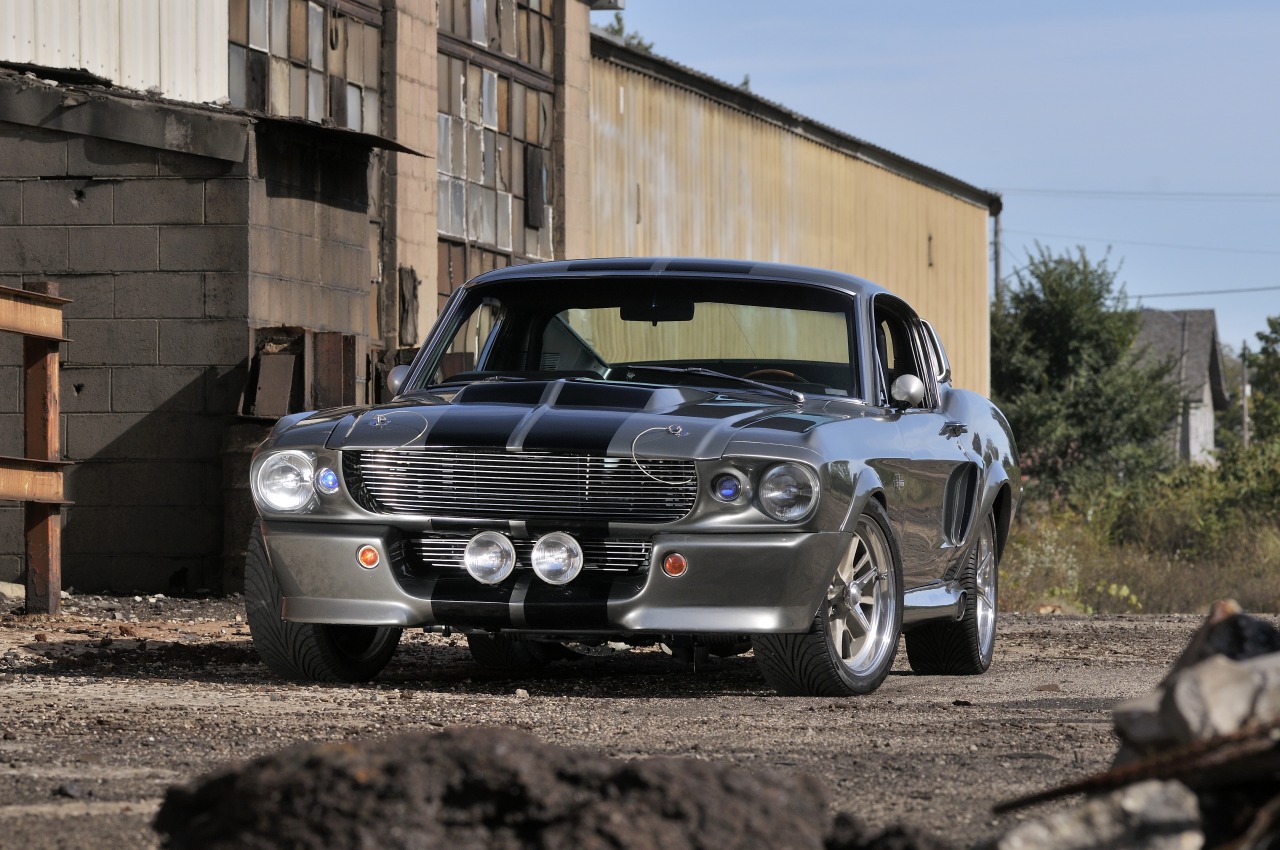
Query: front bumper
pixel 736 584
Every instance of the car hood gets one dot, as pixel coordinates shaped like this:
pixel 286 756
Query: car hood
pixel 568 416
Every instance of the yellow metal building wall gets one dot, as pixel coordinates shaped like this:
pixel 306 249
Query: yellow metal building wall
pixel 677 174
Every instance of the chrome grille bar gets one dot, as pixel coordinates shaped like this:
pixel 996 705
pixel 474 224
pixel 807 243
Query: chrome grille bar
pixel 501 485
pixel 618 555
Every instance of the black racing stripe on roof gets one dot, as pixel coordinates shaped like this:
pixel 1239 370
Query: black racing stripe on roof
pixel 610 266
pixel 710 267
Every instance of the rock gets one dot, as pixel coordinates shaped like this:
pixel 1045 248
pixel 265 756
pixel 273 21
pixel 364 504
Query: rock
pixel 492 788
pixel 1147 816
pixel 1213 698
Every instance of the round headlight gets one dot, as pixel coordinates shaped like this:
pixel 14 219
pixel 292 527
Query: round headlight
pixel 556 558
pixel 788 492
pixel 284 482
pixel 489 557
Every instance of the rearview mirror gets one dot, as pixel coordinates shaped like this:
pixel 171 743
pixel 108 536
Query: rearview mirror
pixel 658 309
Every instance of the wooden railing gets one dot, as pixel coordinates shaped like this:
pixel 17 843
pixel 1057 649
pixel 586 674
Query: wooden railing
pixel 35 313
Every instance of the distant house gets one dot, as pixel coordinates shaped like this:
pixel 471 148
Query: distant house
pixel 1188 339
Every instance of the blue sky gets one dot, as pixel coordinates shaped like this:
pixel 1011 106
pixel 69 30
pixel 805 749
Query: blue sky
pixel 1150 127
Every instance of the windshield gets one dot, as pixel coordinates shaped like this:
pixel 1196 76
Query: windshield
pixel 612 329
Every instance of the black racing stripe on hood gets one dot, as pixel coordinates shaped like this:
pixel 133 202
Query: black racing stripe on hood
pixel 475 426
pixel 581 430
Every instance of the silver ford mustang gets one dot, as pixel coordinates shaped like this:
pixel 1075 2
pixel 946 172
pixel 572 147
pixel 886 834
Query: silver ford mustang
pixel 713 456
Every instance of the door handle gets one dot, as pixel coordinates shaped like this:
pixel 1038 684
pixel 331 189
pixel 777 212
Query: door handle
pixel 953 429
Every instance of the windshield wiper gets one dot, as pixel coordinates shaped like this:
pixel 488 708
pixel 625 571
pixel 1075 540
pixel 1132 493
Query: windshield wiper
pixel 794 395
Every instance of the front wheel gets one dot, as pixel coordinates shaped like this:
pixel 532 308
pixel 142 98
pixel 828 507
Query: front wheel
pixel 964 647
pixel 851 645
pixel 308 652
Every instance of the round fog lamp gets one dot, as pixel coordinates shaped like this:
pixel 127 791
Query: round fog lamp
pixel 556 558
pixel 368 557
pixel 675 565
pixel 489 557
pixel 327 481
pixel 726 488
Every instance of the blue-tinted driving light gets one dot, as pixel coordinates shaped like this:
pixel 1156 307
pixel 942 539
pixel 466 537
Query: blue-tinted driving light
pixel 556 558
pixel 327 481
pixel 788 491
pixel 726 488
pixel 489 557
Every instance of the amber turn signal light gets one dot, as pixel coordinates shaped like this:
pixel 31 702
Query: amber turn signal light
pixel 675 565
pixel 368 557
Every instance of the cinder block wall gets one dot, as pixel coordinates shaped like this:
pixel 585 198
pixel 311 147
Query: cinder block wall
pixel 152 246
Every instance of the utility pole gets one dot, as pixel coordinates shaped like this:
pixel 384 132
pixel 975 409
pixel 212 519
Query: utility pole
pixel 1244 392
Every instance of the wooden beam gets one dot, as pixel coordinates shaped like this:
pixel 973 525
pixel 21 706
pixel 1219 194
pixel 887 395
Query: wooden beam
pixel 41 437
pixel 44 558
pixel 31 313
pixel 26 480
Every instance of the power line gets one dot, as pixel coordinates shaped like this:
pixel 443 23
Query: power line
pixel 1207 292
pixel 1144 244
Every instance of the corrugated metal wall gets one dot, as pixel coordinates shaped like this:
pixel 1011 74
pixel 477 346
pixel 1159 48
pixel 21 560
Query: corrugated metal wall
pixel 676 173
pixel 177 46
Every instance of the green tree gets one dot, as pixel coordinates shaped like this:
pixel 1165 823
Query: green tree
pixel 1264 378
pixel 1084 405
pixel 632 39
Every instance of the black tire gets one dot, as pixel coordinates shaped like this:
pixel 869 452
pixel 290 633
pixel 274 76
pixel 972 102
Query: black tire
pixel 831 659
pixel 308 652
pixel 964 647
pixel 505 652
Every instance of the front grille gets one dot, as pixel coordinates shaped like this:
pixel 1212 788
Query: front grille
pixel 441 552
pixel 526 485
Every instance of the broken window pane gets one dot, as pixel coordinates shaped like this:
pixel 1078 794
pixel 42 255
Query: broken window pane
pixel 298 30
pixel 489 153
pixel 504 163
pixel 489 98
pixel 317 42
pixel 336 36
pixel 478 33
pixel 355 52
pixel 444 216
pixel 279 99
pixel 546 105
pixel 236 69
pixel 444 144
pixel 280 28
pixel 475 159
pixel 458 86
pixel 355 108
pixel 258 24
pixel 315 96
pixel 457 205
pixel 474 73
pixel 297 91
pixel 504 221
pixel 372 115
pixel 522 35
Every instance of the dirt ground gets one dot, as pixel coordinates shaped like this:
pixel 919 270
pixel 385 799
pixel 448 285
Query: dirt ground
pixel 104 707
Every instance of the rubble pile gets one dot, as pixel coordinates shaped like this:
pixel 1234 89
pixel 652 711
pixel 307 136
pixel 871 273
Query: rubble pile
pixel 1199 762
pixel 497 788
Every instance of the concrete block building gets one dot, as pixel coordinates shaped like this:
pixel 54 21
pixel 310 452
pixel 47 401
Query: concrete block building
pixel 258 206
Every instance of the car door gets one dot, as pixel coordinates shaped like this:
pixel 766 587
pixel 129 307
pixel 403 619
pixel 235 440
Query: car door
pixel 930 482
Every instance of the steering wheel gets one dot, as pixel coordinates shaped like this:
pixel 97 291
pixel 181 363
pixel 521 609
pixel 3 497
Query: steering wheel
pixel 782 373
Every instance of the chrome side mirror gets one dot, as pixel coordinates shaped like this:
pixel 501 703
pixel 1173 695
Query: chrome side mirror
pixel 907 391
pixel 395 379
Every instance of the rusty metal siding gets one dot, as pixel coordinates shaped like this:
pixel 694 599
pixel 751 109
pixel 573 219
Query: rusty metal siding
pixel 678 173
pixel 179 48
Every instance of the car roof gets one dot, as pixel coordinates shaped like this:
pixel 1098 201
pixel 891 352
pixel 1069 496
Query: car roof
pixel 682 267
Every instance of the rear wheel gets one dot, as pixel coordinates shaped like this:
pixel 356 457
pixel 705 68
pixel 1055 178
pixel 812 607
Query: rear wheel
pixel 313 652
pixel 851 645
pixel 964 647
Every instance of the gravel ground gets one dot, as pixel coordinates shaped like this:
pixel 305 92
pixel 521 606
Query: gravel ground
pixel 107 705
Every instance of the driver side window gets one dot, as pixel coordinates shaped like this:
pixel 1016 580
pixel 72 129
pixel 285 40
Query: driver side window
pixel 898 352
